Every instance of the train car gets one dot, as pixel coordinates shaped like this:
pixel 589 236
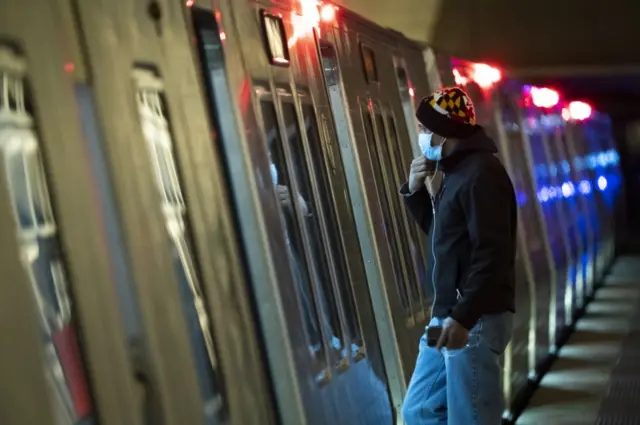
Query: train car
pixel 206 226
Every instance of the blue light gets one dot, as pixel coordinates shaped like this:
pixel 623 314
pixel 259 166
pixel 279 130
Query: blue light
pixel 521 198
pixel 584 187
pixel 592 161
pixel 603 160
pixel 568 189
pixel 615 157
pixel 566 168
pixel 543 194
pixel 602 183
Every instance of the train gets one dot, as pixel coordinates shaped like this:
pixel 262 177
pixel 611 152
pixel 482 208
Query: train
pixel 201 218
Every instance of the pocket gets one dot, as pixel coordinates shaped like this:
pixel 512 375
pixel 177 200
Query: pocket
pixel 496 331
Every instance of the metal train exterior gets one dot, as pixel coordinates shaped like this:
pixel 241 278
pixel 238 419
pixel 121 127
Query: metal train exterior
pixel 201 222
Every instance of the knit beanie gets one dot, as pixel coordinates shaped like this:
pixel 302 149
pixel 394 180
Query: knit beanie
pixel 448 113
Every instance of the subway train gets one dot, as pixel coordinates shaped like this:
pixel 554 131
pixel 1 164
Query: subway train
pixel 201 221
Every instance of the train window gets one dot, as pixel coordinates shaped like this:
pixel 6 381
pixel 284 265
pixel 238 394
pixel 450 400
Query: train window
pixel 335 240
pixel 369 63
pixel 320 266
pixel 403 292
pixel 155 125
pixel 276 39
pixel 406 97
pixel 415 245
pixel 392 181
pixel 40 247
pixel 282 181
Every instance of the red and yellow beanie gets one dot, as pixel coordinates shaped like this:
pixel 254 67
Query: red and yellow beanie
pixel 448 112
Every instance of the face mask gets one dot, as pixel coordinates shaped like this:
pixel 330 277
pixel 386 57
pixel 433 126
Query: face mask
pixel 274 173
pixel 432 153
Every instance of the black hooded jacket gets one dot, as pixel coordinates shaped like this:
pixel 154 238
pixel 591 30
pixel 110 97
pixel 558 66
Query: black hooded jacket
pixel 472 222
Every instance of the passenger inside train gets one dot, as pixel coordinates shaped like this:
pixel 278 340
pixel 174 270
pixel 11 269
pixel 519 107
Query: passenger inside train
pixel 200 221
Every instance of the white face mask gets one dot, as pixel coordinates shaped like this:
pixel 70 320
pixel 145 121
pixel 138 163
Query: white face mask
pixel 274 173
pixel 424 140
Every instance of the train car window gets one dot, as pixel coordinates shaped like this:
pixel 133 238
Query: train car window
pixel 155 126
pixel 406 97
pixel 40 247
pixel 276 39
pixel 412 232
pixel 327 304
pixel 369 63
pixel 521 176
pixel 403 292
pixel 392 179
pixel 335 240
pixel 282 180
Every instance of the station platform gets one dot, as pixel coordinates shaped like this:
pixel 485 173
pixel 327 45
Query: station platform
pixel 596 377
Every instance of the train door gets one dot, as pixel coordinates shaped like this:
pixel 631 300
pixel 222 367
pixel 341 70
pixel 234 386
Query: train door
pixel 54 244
pixel 537 237
pixel 369 80
pixel 559 171
pixel 582 189
pixel 336 373
pixel 406 93
pixel 573 205
pixel 356 132
pixel 547 195
pixel 520 356
pixel 417 243
pixel 587 164
pixel 586 188
pixel 598 132
pixel 196 323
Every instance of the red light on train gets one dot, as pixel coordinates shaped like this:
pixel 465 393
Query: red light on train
pixel 190 3
pixel 544 97
pixel 485 76
pixel 579 111
pixel 459 78
pixel 328 13
pixel 412 93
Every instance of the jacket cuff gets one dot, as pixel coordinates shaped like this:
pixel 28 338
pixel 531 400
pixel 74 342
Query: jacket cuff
pixel 404 190
pixel 462 314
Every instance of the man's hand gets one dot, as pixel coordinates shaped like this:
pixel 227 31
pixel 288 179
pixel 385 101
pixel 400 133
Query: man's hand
pixel 421 167
pixel 454 336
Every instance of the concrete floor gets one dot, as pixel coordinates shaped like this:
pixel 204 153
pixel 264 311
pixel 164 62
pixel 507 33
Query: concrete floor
pixel 570 394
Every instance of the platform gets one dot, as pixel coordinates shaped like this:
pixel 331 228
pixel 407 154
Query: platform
pixel 596 378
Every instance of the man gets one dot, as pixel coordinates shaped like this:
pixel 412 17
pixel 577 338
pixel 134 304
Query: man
pixel 460 193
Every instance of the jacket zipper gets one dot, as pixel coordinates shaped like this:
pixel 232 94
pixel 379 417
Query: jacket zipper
pixel 435 203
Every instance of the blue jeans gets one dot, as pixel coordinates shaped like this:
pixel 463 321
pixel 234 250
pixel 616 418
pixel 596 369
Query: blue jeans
pixel 460 387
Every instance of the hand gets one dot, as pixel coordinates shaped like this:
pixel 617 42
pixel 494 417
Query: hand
pixel 421 167
pixel 454 336
pixel 284 196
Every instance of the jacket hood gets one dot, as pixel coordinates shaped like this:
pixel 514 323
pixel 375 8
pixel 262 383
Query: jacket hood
pixel 477 142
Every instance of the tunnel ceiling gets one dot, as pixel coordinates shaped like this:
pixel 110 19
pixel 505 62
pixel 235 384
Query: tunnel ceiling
pixel 531 38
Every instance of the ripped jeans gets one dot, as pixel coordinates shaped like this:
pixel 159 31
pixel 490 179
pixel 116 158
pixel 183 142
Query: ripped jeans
pixel 460 387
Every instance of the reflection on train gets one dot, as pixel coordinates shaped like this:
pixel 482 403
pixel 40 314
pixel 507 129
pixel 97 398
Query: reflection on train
pixel 240 236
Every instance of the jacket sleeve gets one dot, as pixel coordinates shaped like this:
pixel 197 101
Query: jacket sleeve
pixel 488 205
pixel 419 204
